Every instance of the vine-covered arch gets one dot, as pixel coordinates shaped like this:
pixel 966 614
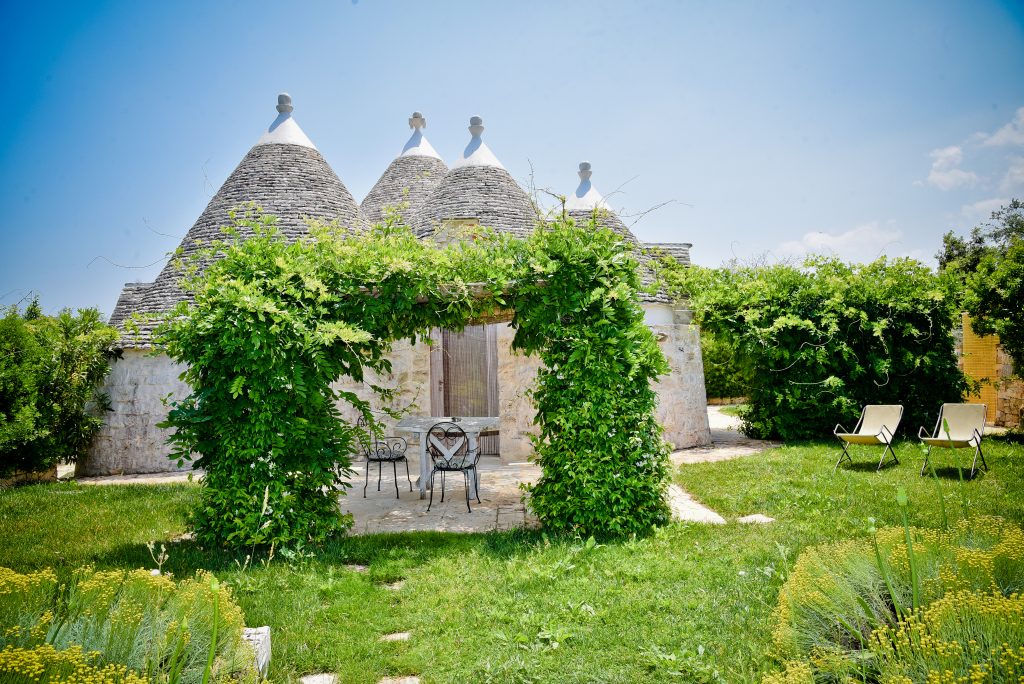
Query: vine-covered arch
pixel 272 324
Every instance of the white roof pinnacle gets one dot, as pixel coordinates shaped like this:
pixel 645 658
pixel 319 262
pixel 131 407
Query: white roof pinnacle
pixel 284 130
pixel 586 197
pixel 418 145
pixel 476 152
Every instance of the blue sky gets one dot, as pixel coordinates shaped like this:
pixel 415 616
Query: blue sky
pixel 769 128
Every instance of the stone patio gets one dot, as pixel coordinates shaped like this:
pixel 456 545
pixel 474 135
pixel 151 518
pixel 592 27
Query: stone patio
pixel 501 507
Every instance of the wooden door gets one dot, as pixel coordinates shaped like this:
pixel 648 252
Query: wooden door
pixel 464 376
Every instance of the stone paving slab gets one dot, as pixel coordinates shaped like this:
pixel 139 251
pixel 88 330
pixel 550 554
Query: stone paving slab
pixel 756 518
pixel 727 442
pixel 397 636
pixel 325 678
pixel 501 507
pixel 686 508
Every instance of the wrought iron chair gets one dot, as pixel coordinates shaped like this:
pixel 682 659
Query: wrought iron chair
pixel 448 447
pixel 877 424
pixel 960 426
pixel 381 450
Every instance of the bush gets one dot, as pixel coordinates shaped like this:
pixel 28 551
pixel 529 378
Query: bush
pixel 155 628
pixel 51 368
pixel 822 340
pixel 19 393
pixel 724 376
pixel 847 610
pixel 44 663
pixel 963 636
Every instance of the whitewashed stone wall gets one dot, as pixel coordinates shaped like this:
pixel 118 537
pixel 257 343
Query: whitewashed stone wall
pixel 516 376
pixel 130 441
pixel 409 377
pixel 682 400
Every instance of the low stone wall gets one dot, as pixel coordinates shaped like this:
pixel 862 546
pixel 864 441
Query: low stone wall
pixel 129 441
pixel 1009 393
pixel 19 478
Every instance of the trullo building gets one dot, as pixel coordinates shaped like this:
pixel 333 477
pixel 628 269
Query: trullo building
pixel 473 372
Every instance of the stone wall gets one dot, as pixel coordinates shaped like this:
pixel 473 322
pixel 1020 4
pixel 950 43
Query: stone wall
pixel 516 375
pixel 1009 395
pixel 130 441
pixel 409 377
pixel 682 401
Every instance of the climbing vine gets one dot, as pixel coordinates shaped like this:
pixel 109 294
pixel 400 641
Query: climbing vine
pixel 604 462
pixel 272 324
pixel 819 341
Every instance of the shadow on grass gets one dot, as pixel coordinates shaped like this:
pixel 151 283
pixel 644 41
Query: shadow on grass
pixel 389 556
pixel 869 466
pixel 954 473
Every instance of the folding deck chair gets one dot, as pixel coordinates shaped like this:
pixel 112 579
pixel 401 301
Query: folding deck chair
pixel 966 427
pixel 877 424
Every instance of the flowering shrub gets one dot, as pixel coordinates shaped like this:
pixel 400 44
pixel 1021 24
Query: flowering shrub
pixel 965 636
pixel 847 608
pixel 46 664
pixel 118 625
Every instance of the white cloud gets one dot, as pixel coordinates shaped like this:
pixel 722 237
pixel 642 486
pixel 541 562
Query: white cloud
pixel 1010 134
pixel 944 174
pixel 1014 177
pixel 980 211
pixel 862 244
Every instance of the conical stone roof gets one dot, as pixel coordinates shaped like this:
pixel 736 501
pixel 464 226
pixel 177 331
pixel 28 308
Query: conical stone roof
pixel 286 176
pixel 409 179
pixel 479 190
pixel 582 205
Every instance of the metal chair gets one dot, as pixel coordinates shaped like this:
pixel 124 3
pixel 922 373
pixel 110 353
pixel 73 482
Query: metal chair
pixel 448 447
pixel 960 426
pixel 877 424
pixel 380 451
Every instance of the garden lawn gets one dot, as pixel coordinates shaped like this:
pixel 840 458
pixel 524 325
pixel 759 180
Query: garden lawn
pixel 691 603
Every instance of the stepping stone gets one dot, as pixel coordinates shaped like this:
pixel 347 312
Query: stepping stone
pixel 397 636
pixel 395 586
pixel 400 680
pixel 259 639
pixel 356 567
pixel 325 678
pixel 685 507
pixel 756 518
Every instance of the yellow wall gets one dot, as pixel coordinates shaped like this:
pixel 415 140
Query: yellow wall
pixel 980 362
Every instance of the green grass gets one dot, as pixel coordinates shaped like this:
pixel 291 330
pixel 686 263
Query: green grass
pixel 732 409
pixel 690 603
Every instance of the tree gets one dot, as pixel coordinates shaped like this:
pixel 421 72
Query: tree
pixel 987 273
pixel 51 368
